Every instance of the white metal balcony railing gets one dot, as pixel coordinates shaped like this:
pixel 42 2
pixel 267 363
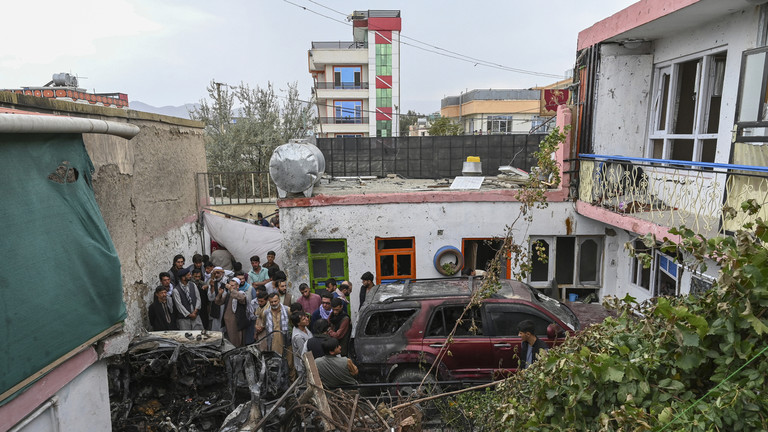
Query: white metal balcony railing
pixel 673 193
pixel 228 188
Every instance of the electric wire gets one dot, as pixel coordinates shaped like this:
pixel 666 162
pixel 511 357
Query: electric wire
pixel 448 53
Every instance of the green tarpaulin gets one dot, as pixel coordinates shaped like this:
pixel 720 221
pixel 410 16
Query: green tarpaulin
pixel 60 275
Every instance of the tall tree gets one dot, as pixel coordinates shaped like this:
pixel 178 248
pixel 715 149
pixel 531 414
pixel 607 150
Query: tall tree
pixel 244 125
pixel 408 119
pixel 444 126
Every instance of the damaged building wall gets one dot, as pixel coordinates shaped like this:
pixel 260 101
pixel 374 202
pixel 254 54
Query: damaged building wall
pixel 623 86
pixel 148 198
pixel 145 189
pixel 432 224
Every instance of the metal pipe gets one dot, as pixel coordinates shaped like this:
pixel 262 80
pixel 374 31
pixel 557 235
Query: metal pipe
pixel 26 123
pixel 36 413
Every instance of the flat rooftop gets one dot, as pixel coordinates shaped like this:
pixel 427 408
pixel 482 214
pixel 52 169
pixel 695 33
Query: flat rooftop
pixel 395 184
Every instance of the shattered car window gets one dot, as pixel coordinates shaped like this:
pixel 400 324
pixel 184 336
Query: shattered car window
pixel 386 323
pixel 446 318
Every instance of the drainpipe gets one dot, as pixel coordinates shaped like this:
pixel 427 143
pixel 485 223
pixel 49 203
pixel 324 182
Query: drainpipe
pixel 25 123
pixel 52 402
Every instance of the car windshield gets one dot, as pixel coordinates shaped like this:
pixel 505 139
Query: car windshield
pixel 421 288
pixel 557 308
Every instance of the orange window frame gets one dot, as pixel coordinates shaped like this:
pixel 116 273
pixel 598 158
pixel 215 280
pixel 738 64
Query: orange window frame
pixel 395 252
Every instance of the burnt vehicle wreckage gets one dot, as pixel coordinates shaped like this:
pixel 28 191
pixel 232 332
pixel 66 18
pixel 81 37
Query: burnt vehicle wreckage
pixel 197 381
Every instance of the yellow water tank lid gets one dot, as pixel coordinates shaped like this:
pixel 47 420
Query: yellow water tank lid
pixel 473 158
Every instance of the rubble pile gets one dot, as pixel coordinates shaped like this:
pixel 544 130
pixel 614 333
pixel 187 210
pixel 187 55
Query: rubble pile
pixel 176 381
pixel 195 381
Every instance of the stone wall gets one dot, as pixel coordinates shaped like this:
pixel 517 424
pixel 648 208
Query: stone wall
pixel 145 188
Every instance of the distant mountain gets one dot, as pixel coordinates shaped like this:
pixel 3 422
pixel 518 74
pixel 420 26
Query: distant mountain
pixel 173 111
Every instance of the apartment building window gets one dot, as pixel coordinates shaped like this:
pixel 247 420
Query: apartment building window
pixel 395 258
pixel 384 128
pixel 574 263
pixel 347 77
pixel 383 97
pixel 661 278
pixel 348 111
pixel 640 275
pixel 327 259
pixel 499 124
pixel 685 109
pixel 752 105
pixel 384 59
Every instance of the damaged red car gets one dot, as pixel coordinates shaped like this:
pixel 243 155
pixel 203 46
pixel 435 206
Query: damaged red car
pixel 403 328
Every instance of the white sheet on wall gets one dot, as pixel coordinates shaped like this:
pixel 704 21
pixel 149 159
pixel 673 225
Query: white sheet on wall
pixel 243 240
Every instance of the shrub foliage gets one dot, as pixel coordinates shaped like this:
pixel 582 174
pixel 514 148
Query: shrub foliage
pixel 694 363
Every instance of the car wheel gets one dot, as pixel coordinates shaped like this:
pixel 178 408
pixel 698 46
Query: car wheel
pixel 407 383
pixel 407 386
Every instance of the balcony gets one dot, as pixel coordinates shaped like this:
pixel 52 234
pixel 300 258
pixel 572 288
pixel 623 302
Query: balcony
pixel 673 193
pixel 343 45
pixel 341 85
pixel 344 120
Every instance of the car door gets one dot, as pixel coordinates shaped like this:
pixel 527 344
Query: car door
pixel 470 354
pixel 502 327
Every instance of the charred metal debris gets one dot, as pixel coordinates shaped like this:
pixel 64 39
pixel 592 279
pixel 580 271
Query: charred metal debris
pixel 185 382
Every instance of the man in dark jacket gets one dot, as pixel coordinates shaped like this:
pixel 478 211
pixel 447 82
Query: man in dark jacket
pixel 160 312
pixel 531 344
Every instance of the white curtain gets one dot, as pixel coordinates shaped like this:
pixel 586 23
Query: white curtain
pixel 243 240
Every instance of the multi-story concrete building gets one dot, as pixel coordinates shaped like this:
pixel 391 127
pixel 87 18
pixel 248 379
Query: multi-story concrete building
pixel 493 111
pixel 671 129
pixel 357 83
pixel 505 111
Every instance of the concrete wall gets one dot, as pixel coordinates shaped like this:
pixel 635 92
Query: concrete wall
pixel 457 220
pixel 150 208
pixel 622 100
pixel 145 188
pixel 83 404
pixel 618 269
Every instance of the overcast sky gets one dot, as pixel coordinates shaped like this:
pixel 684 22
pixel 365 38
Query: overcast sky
pixel 166 52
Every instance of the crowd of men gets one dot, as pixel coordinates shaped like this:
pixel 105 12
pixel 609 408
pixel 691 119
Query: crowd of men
pixel 256 307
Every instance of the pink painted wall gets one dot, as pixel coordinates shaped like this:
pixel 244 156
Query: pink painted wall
pixel 42 389
pixel 629 223
pixel 636 15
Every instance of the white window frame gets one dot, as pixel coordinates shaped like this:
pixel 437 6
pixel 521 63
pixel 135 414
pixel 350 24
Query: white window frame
pixel 495 121
pixel 552 259
pixel 704 88
pixel 658 259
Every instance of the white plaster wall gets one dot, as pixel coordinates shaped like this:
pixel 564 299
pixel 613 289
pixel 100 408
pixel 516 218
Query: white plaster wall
pixel 141 278
pixel 371 83
pixel 396 83
pixel 361 224
pixel 84 402
pixel 81 405
pixel 622 100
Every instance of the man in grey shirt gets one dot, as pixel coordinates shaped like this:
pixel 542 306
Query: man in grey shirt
pixel 335 371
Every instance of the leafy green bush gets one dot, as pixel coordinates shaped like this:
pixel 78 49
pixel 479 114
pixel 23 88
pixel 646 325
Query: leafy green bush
pixel 695 363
